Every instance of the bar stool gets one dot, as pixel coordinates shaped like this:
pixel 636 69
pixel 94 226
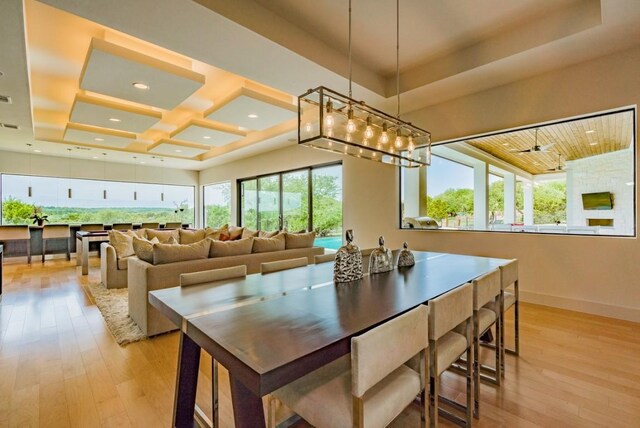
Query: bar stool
pixel 324 258
pixel 150 226
pixel 195 278
pixel 56 231
pixel 122 226
pixel 173 225
pixel 279 265
pixel 17 234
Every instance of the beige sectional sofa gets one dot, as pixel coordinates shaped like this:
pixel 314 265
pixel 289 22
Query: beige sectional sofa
pixel 144 277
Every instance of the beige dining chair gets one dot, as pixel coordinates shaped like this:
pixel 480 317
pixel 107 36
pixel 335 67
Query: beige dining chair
pixel 150 226
pixel 59 232
pixel 486 290
pixel 91 227
pixel 203 277
pixel 446 346
pixel 173 225
pixel 369 387
pixel 17 234
pixel 279 265
pixel 122 226
pixel 324 258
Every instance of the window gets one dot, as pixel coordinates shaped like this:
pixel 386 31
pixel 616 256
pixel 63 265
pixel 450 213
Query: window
pixel 77 201
pixel 496 199
pixel 300 200
pixel 450 193
pixel 217 204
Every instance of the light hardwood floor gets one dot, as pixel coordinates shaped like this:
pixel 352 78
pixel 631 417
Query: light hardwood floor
pixel 59 365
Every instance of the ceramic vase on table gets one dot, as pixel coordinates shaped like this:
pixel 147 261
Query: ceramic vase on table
pixel 348 264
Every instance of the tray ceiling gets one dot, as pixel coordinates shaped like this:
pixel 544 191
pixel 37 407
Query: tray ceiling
pixel 249 112
pixel 80 134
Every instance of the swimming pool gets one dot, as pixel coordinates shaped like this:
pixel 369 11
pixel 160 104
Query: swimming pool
pixel 332 242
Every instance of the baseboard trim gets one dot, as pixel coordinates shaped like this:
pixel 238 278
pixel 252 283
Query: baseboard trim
pixel 595 308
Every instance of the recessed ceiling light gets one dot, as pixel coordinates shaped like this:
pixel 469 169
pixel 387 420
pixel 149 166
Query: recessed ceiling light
pixel 593 144
pixel 629 183
pixel 99 139
pixel 206 137
pixel 38 151
pixel 591 131
pixel 241 128
pixel 95 157
pixel 140 85
pixel 178 151
pixel 142 162
pixel 114 119
pixel 253 116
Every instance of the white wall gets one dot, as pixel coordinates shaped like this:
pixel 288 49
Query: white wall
pixel 609 172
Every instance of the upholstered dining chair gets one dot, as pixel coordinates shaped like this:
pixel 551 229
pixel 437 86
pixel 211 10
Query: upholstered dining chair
pixel 173 225
pixel 17 234
pixel 150 226
pixel 486 290
pixel 91 227
pixel 369 387
pixel 446 345
pixel 59 232
pixel 122 226
pixel 279 265
pixel 203 277
pixel 323 258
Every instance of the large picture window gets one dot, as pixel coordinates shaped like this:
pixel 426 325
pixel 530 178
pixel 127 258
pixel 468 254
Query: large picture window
pixel 217 204
pixel 575 176
pixel 77 201
pixel 300 200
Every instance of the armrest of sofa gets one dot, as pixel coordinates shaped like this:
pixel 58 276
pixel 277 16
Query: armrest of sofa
pixel 138 291
pixel 108 261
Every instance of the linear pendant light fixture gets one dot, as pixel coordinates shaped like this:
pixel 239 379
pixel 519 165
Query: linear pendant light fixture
pixel 335 122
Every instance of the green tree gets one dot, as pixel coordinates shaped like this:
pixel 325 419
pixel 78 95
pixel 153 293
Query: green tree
pixel 550 202
pixel 14 211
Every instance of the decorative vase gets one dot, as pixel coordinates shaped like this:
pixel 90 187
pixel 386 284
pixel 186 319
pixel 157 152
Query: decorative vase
pixel 348 265
pixel 381 259
pixel 405 258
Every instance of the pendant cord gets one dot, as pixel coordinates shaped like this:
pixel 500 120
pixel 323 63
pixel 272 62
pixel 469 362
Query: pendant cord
pixel 398 55
pixel 350 66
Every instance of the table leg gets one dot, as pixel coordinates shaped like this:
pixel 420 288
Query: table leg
pixel 78 251
pixel 85 256
pixel 247 407
pixel 186 383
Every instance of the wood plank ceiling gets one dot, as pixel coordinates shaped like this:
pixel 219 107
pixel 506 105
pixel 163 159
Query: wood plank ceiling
pixel 560 142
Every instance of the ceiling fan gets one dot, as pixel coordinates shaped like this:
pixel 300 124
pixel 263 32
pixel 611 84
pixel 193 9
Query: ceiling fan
pixel 536 147
pixel 558 168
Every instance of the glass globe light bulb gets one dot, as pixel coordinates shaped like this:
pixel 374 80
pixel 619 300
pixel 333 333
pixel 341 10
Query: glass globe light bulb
pixel 351 124
pixel 398 142
pixel 368 132
pixel 329 119
pixel 308 127
pixel 384 137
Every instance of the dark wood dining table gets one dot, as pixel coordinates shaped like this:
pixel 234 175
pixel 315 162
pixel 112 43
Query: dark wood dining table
pixel 268 330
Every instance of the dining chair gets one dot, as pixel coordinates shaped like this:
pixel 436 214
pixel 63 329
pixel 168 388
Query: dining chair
pixel 59 232
pixel 270 267
pixel 17 234
pixel 173 225
pixel 446 346
pixel 203 277
pixel 91 227
pixel 150 226
pixel 329 257
pixel 486 290
pixel 369 387
pixel 509 298
pixel 122 226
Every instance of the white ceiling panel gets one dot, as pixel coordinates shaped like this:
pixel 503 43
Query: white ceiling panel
pixel 86 136
pixel 238 111
pixel 101 115
pixel 208 136
pixel 169 148
pixel 112 70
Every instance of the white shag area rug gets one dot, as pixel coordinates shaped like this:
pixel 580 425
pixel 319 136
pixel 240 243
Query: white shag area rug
pixel 114 306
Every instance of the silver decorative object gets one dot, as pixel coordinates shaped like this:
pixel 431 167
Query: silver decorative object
pixel 348 266
pixel 381 259
pixel 405 258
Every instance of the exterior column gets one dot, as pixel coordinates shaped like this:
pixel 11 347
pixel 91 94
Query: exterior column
pixel 509 198
pixel 528 204
pixel 572 217
pixel 480 197
pixel 415 192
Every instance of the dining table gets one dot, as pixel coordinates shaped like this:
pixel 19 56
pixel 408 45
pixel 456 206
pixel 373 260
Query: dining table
pixel 268 330
pixel 83 238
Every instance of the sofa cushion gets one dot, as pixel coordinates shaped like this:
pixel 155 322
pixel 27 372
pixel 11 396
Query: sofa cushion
pixel 220 234
pixel 143 248
pixel 299 240
pixel 265 245
pixel 263 234
pixel 191 236
pixel 168 253
pixel 235 233
pixel 231 248
pixel 122 242
pixel 248 233
pixel 163 235
pixel 123 263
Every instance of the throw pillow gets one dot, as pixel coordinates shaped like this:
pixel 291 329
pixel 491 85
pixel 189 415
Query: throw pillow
pixel 172 241
pixel 143 248
pixel 191 236
pixel 265 245
pixel 122 242
pixel 299 240
pixel 217 233
pixel 163 235
pixel 231 248
pixel 235 233
pixel 263 234
pixel 248 233
pixel 167 253
pixel 140 233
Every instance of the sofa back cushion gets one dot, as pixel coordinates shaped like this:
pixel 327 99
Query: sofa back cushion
pixel 191 236
pixel 263 234
pixel 248 233
pixel 265 245
pixel 220 234
pixel 122 242
pixel 143 248
pixel 235 233
pixel 299 240
pixel 163 235
pixel 168 253
pixel 231 248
